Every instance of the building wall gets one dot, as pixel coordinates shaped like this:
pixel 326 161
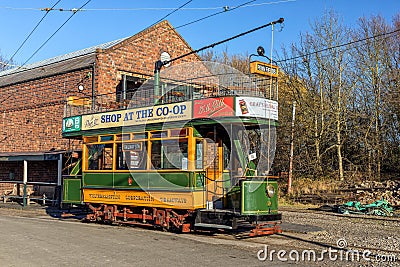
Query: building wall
pixel 137 55
pixel 38 171
pixel 31 112
pixel 43 171
pixel 14 167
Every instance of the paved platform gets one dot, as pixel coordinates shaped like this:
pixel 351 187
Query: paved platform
pixel 19 206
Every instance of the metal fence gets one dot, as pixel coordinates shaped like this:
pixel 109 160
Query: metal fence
pixel 170 90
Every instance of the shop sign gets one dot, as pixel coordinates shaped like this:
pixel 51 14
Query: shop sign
pixel 154 114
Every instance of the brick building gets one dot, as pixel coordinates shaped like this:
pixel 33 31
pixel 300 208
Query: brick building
pixel 34 97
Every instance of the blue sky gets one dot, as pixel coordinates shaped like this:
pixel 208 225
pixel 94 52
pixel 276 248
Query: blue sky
pixel 104 21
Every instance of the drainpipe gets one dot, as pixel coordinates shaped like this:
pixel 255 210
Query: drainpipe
pixel 93 86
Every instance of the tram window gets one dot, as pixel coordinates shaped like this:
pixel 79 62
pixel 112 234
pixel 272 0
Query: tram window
pixel 122 137
pixel 159 134
pixel 91 139
pixel 121 160
pixel 227 153
pixel 199 154
pixel 106 138
pixel 178 133
pixel 132 156
pixel 100 156
pixel 211 159
pixel 169 154
pixel 138 136
pixel 156 155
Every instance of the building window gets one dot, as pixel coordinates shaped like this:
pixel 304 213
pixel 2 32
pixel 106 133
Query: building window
pixel 127 87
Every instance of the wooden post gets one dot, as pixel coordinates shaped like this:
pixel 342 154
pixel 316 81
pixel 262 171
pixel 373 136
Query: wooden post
pixel 291 150
pixel 25 180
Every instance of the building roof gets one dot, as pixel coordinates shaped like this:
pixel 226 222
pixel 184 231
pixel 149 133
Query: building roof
pixel 72 61
pixel 31 156
pixel 75 60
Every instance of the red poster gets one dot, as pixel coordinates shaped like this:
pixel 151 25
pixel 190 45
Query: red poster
pixel 213 107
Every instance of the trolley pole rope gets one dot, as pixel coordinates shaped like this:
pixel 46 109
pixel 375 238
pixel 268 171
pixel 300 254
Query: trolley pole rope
pixel 160 63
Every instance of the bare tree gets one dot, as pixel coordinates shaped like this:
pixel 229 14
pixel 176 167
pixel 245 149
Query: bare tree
pixel 327 89
pixel 346 86
pixel 5 63
pixel 373 65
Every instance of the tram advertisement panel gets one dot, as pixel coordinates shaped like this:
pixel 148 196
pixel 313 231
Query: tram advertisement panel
pixel 213 107
pixel 152 114
pixel 256 107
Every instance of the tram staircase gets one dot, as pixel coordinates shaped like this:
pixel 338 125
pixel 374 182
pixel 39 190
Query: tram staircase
pixel 77 168
pixel 214 189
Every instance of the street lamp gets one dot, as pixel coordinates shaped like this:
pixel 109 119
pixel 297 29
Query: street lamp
pixel 260 53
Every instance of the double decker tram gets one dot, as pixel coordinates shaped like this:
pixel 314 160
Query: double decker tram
pixel 184 154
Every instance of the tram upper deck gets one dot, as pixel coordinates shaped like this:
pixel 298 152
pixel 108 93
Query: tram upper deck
pixel 193 81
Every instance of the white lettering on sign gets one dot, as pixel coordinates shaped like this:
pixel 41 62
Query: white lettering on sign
pixel 265 68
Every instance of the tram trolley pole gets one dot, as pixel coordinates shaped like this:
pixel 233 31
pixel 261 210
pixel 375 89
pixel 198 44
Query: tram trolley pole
pixel 158 64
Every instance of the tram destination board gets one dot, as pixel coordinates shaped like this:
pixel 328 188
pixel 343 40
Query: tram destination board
pixel 258 67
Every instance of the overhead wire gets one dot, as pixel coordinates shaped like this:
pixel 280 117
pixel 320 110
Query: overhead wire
pixel 172 12
pixel 51 36
pixel 214 14
pixel 142 8
pixel 30 34
pixel 223 41
pixel 19 8
pixel 278 61
pixel 303 56
pixel 226 9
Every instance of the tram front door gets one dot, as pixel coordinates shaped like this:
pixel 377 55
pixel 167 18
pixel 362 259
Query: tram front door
pixel 214 170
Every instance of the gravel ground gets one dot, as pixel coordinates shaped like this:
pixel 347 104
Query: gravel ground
pixel 360 233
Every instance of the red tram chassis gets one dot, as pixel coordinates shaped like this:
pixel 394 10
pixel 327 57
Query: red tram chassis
pixel 183 221
pixel 168 219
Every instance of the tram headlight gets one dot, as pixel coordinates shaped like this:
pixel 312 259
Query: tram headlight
pixel 270 190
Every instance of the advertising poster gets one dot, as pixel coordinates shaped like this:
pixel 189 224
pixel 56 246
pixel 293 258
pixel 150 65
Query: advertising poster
pixel 213 107
pixel 256 107
pixel 71 124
